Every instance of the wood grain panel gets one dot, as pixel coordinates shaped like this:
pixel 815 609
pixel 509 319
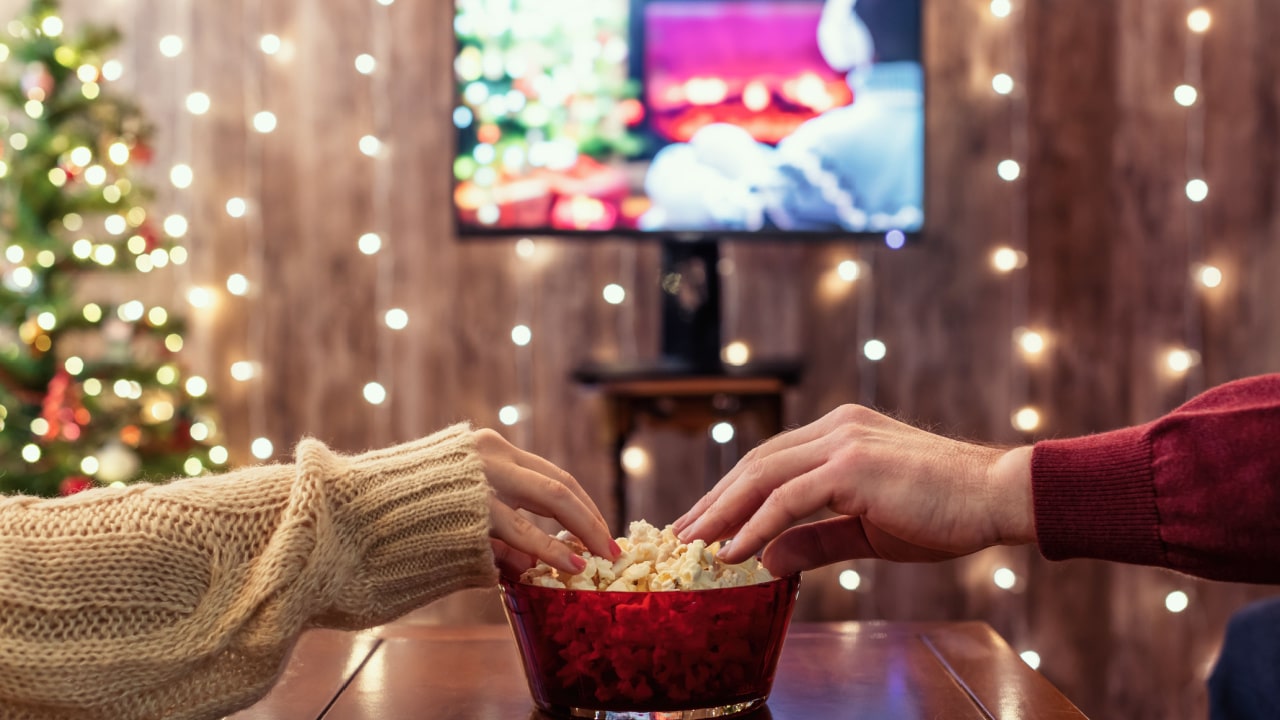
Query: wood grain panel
pixel 1107 278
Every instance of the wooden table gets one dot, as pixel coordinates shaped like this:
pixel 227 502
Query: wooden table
pixel 869 670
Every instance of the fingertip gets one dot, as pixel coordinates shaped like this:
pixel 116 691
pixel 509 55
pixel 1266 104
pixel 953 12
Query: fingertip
pixel 615 548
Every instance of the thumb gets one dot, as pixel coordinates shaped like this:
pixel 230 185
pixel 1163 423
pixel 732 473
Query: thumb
pixel 805 547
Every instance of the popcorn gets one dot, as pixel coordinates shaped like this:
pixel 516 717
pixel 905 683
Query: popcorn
pixel 651 560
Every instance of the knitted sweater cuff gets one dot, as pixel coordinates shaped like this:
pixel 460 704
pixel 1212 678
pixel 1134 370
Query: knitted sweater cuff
pixel 1095 498
pixel 420 514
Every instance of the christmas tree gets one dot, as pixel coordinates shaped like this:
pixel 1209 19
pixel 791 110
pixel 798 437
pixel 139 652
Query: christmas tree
pixel 90 391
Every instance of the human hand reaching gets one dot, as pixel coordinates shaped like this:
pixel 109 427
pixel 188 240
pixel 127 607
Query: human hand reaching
pixel 524 481
pixel 901 493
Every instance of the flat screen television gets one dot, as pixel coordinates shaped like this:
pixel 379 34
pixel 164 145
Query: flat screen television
pixel 689 121
pixel 788 119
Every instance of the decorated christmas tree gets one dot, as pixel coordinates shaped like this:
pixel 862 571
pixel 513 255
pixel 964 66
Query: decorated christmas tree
pixel 91 392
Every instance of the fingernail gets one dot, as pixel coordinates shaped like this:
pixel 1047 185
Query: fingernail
pixel 613 545
pixel 578 562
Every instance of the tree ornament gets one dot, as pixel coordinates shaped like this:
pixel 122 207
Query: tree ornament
pixel 74 484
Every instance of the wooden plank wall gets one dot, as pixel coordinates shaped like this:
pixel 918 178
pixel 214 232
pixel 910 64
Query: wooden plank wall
pixel 1107 278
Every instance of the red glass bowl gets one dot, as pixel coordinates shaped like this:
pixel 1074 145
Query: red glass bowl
pixel 672 655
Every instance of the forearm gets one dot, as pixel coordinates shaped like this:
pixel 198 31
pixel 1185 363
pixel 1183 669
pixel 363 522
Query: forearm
pixel 184 598
pixel 1197 490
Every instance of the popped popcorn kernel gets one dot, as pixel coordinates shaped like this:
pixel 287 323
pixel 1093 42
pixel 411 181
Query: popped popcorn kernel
pixel 651 560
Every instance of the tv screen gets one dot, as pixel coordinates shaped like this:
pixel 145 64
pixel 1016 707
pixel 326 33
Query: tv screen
pixel 799 118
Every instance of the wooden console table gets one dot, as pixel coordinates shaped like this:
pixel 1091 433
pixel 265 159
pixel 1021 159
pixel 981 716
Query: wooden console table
pixel 864 670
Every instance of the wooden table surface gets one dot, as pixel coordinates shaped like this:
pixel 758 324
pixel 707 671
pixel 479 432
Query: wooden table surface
pixel 870 670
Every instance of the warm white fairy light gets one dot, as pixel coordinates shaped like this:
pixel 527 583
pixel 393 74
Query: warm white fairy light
pixel 102 254
pixel 112 70
pixel 181 176
pixel 270 44
pixel 1002 83
pixel 850 580
pixel 243 370
pixel 521 335
pixel 1009 170
pixel 370 145
pixel 95 175
pixel 385 2
pixel 1031 342
pixel 1197 190
pixel 196 386
pixel 1199 20
pixel 849 270
pixel 39 426
pixel 51 26
pixel 1030 657
pixel 175 225
pixel 218 455
pixel 1180 360
pixel 396 319
pixel 1026 419
pixel 264 121
pixel 736 353
pixel 74 365
pixel 1176 601
pixel 198 103
pixel 874 350
pixel 525 248
pixel 375 393
pixel 157 316
pixel 90 465
pixel 200 297
pixel 369 243
pixel 237 284
pixel 34 109
pixel 1001 8
pixel 171 46
pixel 722 432
pixel 365 64
pixel 614 294
pixel 262 448
pixel 236 207
pixel 1185 95
pixel 1004 578
pixel 635 460
pixel 509 415
pixel 18 141
pixel 31 452
pixel 1208 275
pixel 192 466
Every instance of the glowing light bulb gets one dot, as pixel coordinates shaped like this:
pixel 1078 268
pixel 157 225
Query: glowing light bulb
pixel 849 270
pixel 218 455
pixel 722 432
pixel 1001 8
pixel 1006 259
pixel 736 353
pixel 850 580
pixel 1002 83
pixel 1009 170
pixel 1031 657
pixel 171 46
pixel 635 459
pixel 200 297
pixel 1180 360
pixel 1026 419
pixel 175 226
pixel 1199 20
pixel 197 103
pixel 1031 342
pixel 181 176
pixel 51 26
pixel 614 294
pixel 521 335
pixel 236 207
pixel 243 370
pixel 396 319
pixel 261 448
pixel 264 121
pixel 370 145
pixel 374 393
pixel 525 248
pixel 509 415
pixel 1208 276
pixel 1176 601
pixel 112 70
pixel 365 64
pixel 1004 578
pixel 196 386
pixel 1197 190
pixel 874 350
pixel 369 243
pixel 1185 95
pixel 237 284
pixel 270 44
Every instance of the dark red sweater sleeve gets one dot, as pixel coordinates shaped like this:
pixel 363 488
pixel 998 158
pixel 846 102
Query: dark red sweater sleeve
pixel 1197 490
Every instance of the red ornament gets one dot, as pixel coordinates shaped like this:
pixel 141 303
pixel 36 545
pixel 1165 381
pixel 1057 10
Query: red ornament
pixel 73 485
pixel 141 152
pixel 149 234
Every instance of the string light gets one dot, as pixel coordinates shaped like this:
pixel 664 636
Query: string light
pixel 614 294
pixel 370 145
pixel 736 353
pixel 850 580
pixel 181 176
pixel 264 122
pixel 375 393
pixel 1176 601
pixel 1009 170
pixel 369 243
pixel 171 46
pixel 1199 20
pixel 1030 657
pixel 849 270
pixel 1004 578
pixel 261 448
pixel 874 350
pixel 243 370
pixel 1002 83
pixel 1026 419
pixel 635 460
pixel 525 248
pixel 198 103
pixel 1208 275
pixel 200 297
pixel 1197 190
pixel 270 44
pixel 1001 8
pixel 237 284
pixel 1185 95
pixel 1031 342
pixel 509 415
pixel 1180 360
pixel 236 207
pixel 722 432
pixel 365 64
pixel 397 319
pixel 521 335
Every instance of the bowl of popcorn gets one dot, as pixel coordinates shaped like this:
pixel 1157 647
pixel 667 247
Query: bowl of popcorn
pixel 666 631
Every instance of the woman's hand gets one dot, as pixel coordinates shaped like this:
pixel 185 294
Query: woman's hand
pixel 902 494
pixel 524 481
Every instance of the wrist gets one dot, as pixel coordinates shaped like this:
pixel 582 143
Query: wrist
pixel 1010 478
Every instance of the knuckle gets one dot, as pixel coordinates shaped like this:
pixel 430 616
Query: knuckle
pixel 756 466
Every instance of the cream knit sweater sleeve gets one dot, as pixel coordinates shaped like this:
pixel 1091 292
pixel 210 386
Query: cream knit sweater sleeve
pixel 183 600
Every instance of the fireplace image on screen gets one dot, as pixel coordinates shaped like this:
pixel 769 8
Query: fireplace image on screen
pixel 712 118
